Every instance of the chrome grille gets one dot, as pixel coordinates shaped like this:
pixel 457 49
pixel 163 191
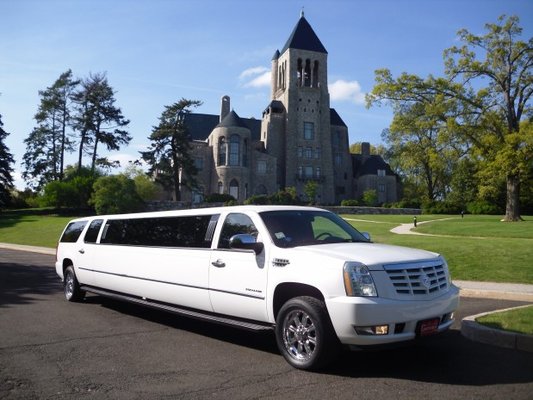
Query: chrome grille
pixel 418 279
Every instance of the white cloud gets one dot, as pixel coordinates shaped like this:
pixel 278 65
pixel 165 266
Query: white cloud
pixel 255 77
pixel 252 72
pixel 123 158
pixel 342 90
pixel 260 81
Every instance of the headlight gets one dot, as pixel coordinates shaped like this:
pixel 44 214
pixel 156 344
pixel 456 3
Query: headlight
pixel 358 281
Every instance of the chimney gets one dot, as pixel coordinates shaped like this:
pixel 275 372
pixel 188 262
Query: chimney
pixel 224 107
pixel 365 149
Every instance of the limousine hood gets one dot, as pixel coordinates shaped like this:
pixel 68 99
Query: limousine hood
pixel 373 255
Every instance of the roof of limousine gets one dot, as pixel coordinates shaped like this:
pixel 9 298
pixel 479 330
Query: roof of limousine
pixel 204 211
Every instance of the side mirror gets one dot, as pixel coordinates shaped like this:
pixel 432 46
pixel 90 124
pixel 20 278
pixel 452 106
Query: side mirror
pixel 245 241
pixel 367 236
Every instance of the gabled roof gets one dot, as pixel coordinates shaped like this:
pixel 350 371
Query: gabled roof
pixel 369 165
pixel 303 37
pixel 335 118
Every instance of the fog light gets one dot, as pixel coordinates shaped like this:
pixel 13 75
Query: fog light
pixel 372 330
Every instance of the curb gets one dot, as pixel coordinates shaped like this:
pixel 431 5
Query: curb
pixel 496 290
pixel 491 294
pixel 33 249
pixel 496 337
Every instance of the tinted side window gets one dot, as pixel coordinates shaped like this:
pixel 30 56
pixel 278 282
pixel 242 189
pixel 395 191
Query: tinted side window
pixel 233 225
pixel 187 231
pixel 92 231
pixel 73 232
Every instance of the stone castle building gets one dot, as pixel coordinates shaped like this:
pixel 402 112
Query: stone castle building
pixel 300 138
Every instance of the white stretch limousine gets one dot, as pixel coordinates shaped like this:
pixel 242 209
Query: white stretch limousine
pixel 304 272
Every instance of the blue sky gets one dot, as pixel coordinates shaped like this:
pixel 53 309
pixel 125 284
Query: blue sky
pixel 157 51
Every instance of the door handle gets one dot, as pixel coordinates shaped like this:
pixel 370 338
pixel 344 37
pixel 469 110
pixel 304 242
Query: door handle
pixel 81 251
pixel 218 264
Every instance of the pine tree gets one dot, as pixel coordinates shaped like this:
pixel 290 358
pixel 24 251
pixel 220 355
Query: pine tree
pixel 47 143
pixel 169 153
pixel 98 120
pixel 6 169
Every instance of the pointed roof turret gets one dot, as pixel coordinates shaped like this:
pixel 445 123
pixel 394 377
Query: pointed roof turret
pixel 276 55
pixel 232 119
pixel 304 38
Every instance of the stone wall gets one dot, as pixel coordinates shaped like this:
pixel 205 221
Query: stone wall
pixel 373 210
pixel 180 205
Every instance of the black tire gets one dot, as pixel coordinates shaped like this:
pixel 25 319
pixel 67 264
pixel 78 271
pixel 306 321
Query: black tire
pixel 71 286
pixel 304 334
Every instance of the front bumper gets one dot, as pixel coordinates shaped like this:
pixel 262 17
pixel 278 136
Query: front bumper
pixel 401 316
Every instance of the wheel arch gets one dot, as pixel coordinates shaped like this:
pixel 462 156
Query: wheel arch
pixel 288 290
pixel 67 262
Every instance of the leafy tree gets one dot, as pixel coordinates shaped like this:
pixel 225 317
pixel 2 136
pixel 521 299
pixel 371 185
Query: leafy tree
pixel 485 117
pixel 97 119
pixel 310 190
pixel 47 143
pixel 502 104
pixel 74 191
pixel 146 188
pixel 115 194
pixel 370 197
pixel 6 169
pixel 356 148
pixel 169 153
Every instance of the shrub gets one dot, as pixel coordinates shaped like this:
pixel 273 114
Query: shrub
pixel 349 203
pixel 285 197
pixel 258 199
pixel 231 203
pixel 218 198
pixel 115 194
pixel 370 197
pixel 441 207
pixel 483 207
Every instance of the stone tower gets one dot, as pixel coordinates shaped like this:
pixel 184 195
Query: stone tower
pixel 296 125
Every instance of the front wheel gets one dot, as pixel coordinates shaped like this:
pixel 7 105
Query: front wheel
pixel 304 333
pixel 72 287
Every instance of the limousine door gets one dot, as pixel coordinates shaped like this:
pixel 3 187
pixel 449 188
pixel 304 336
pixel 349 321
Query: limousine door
pixel 237 278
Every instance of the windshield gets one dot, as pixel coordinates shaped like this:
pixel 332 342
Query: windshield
pixel 303 228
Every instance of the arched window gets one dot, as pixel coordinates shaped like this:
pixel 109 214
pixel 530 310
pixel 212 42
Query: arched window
pixel 299 73
pixel 234 149
pixel 234 189
pixel 307 73
pixel 315 74
pixel 222 151
pixel 220 188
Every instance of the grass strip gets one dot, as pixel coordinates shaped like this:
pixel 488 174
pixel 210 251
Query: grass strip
pixel 519 320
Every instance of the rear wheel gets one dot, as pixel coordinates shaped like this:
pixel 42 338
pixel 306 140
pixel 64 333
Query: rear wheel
pixel 71 286
pixel 304 333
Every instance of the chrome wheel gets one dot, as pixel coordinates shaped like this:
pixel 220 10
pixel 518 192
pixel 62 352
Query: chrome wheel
pixel 72 287
pixel 69 284
pixel 299 335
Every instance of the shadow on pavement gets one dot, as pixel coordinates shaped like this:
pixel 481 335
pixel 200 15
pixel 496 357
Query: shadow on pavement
pixel 448 358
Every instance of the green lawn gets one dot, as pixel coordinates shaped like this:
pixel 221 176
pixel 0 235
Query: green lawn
pixel 32 230
pixel 488 250
pixel 518 320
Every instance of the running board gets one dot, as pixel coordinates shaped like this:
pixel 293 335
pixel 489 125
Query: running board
pixel 197 314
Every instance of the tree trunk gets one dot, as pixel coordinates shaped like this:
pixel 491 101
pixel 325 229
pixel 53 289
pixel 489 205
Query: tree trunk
pixel 80 153
pixel 175 171
pixel 93 162
pixel 512 206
